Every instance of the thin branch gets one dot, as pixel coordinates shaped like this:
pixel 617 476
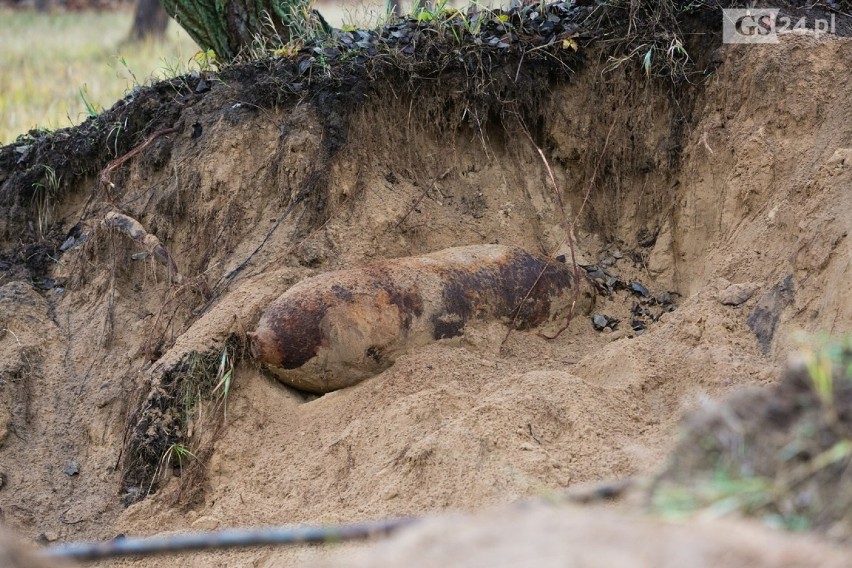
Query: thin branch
pixel 110 167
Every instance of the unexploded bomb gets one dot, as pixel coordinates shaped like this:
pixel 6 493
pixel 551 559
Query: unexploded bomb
pixel 333 330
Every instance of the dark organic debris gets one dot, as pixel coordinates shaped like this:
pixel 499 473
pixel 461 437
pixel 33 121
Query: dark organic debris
pixel 764 318
pixel 46 283
pixel 646 238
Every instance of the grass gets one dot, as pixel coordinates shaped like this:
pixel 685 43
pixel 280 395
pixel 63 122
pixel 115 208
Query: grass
pixel 57 69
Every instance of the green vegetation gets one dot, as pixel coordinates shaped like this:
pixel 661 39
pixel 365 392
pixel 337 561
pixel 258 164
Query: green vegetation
pixel 58 69
pixel 783 456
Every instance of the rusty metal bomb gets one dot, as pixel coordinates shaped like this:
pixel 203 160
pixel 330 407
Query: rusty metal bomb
pixel 336 329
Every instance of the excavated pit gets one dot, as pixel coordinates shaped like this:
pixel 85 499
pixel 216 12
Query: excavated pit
pixel 726 199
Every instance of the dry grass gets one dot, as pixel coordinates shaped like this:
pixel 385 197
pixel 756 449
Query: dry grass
pixel 47 60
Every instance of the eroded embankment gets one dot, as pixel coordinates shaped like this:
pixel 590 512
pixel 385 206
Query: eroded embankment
pixel 742 179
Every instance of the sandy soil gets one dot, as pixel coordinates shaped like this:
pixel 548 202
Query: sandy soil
pixel 754 212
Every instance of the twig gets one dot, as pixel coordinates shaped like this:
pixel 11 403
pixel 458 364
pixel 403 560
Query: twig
pixel 568 236
pixel 229 277
pixel 413 207
pixel 228 538
pixel 570 232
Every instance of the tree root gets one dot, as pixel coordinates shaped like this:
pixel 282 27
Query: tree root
pixel 134 229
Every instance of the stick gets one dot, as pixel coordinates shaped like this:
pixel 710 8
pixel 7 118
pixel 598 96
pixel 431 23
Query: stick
pixel 227 538
pixel 413 207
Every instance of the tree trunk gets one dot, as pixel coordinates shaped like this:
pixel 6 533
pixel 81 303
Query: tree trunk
pixel 229 26
pixel 42 5
pixel 150 21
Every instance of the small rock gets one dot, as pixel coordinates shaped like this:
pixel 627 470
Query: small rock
pixel 617 254
pixel 527 447
pixel 206 523
pixel 69 242
pixel 49 536
pixel 600 321
pixel 618 334
pixel 72 468
pixel 2 480
pixel 637 288
pixel 736 294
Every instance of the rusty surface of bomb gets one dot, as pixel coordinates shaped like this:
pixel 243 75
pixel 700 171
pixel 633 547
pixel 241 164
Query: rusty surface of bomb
pixel 336 329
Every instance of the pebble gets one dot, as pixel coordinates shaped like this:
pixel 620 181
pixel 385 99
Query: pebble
pixel 206 523
pixel 637 288
pixel 71 468
pixel 736 294
pixel 600 321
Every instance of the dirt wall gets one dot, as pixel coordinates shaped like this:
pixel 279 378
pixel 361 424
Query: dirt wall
pixel 251 200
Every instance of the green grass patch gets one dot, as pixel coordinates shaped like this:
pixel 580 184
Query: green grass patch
pixel 57 69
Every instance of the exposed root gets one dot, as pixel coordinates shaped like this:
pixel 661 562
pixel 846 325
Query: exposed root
pixel 107 171
pixel 134 229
